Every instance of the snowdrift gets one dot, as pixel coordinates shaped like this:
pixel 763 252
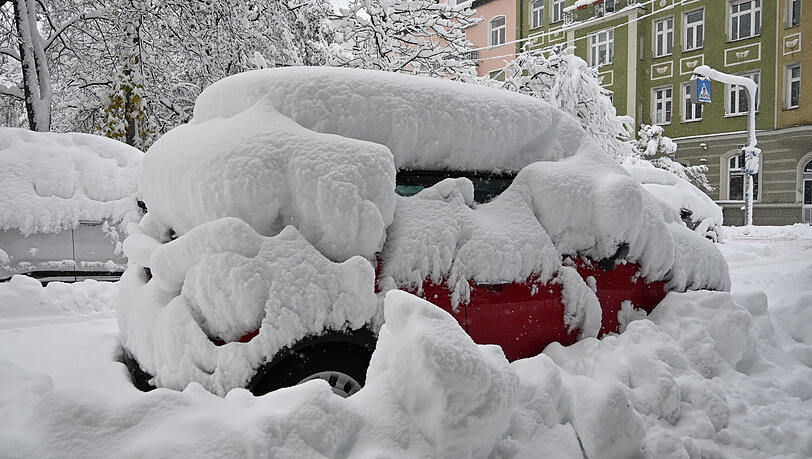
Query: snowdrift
pixel 707 375
pixel 51 181
pixel 279 160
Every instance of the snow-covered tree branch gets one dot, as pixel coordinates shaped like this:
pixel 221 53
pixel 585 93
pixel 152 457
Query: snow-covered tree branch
pixel 411 36
pixel 567 82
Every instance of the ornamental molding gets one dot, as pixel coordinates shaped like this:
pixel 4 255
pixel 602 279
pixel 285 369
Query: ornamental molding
pixel 743 54
pixel 662 70
pixel 792 43
pixel 688 64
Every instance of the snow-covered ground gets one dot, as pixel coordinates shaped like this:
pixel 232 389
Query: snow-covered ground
pixel 709 375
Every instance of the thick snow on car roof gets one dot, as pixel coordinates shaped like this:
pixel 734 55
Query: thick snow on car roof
pixel 50 181
pixel 427 123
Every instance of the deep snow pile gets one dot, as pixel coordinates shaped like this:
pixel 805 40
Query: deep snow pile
pixel 23 296
pixel 312 152
pixel 706 375
pixel 50 181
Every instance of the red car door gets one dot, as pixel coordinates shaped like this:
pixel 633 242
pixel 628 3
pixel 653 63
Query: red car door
pixel 523 318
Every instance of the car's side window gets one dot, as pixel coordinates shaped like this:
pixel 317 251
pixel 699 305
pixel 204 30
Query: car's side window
pixel 487 185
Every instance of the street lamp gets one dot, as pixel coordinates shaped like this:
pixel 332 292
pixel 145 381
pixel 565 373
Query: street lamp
pixel 750 151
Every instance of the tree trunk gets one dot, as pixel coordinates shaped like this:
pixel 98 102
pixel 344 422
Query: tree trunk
pixel 36 76
pixel 130 108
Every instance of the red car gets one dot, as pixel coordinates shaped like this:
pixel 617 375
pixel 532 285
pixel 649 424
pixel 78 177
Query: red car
pixel 273 232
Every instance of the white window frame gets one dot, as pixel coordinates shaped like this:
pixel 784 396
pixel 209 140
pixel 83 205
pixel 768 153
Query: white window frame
pixel 733 93
pixel 788 81
pixel 451 3
pixel 664 37
pixel 696 30
pixel 689 117
pixel 597 40
pixel 501 31
pixel 537 13
pixel 806 177
pixel 557 11
pixel 792 19
pixel 662 100
pixel 736 18
pixel 738 159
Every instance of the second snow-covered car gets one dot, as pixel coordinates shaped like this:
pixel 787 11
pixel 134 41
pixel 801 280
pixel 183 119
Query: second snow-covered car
pixel 65 202
pixel 274 229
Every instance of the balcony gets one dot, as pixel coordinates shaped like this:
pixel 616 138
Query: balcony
pixel 596 9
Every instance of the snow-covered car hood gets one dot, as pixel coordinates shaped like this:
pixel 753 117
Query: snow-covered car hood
pixel 679 194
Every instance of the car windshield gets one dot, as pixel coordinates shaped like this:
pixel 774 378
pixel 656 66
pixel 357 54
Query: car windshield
pixel 487 185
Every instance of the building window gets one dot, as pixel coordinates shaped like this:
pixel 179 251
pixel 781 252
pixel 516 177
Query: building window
pixel 609 6
pixel 537 14
pixel 498 75
pixel 451 2
pixel 601 47
pixel 745 19
pixel 793 13
pixel 737 96
pixel 662 106
pixel 691 112
pixel 694 29
pixel 792 86
pixel 497 28
pixel 558 11
pixel 663 37
pixel 735 179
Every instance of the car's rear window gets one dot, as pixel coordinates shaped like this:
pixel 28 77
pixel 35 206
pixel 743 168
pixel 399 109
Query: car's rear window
pixel 487 185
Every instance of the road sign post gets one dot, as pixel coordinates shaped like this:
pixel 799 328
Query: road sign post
pixel 701 77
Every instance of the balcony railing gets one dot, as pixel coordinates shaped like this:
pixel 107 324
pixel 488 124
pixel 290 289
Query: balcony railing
pixel 597 9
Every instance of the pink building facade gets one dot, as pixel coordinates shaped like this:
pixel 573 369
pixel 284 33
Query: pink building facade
pixel 494 35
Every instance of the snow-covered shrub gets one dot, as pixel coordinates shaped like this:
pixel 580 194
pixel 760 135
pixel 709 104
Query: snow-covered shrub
pixel 651 143
pixel 566 81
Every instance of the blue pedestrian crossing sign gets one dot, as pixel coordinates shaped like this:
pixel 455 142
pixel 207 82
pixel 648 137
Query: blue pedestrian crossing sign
pixel 700 91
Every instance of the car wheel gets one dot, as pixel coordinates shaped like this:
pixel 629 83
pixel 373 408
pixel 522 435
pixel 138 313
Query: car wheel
pixel 342 364
pixel 139 377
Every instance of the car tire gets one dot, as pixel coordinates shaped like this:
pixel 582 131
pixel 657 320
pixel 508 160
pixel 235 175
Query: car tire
pixel 139 378
pixel 342 364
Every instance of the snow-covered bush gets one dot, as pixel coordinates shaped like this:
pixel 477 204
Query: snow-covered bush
pixel 651 143
pixel 564 80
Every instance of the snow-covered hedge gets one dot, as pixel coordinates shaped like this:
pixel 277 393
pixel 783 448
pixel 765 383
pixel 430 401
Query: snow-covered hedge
pixel 317 149
pixel 50 181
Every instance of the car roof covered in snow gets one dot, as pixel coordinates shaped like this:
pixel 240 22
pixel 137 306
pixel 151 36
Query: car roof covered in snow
pixel 427 123
pixel 51 181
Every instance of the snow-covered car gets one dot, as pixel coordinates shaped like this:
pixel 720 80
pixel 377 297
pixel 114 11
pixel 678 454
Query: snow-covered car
pixel 696 209
pixel 274 229
pixel 64 202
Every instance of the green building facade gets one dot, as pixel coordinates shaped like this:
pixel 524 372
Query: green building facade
pixel 646 51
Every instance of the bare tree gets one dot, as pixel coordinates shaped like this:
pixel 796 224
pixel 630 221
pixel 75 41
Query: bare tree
pixel 30 19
